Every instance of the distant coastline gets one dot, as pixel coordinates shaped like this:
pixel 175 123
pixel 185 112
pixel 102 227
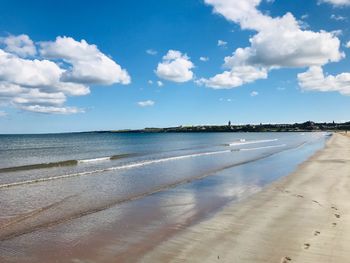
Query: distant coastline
pixel 308 126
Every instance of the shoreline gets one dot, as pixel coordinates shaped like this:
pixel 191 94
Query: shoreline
pixel 302 217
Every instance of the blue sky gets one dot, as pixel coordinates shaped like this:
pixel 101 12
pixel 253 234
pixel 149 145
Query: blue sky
pixel 263 84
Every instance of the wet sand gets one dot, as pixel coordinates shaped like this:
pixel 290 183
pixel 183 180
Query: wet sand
pixel 304 217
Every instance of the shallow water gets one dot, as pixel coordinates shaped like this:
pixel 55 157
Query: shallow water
pixel 101 209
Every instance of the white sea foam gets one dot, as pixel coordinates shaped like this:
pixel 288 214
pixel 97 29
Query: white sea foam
pixel 244 142
pixel 101 159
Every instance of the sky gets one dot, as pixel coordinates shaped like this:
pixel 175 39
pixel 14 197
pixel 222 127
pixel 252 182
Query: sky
pixel 85 65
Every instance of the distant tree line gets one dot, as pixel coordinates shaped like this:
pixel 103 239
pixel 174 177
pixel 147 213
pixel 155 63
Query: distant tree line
pixel 296 127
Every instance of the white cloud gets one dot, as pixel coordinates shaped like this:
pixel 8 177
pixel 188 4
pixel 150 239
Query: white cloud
pixel 28 72
pixel 160 84
pixel 338 17
pixel 315 80
pixel 3 114
pixel 222 43
pixel 279 42
pixel 35 96
pixel 204 59
pixel 8 90
pixel 88 64
pixel 234 78
pixel 295 48
pixel 43 85
pixel 146 103
pixel 150 82
pixel 336 3
pixel 337 33
pixel 151 52
pixel 254 93
pixel 20 45
pixel 304 16
pixel 175 66
pixel 347 44
pixel 51 109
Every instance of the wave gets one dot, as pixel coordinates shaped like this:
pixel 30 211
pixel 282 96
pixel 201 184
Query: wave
pixel 38 166
pixel 100 159
pixel 121 167
pixel 244 142
pixel 62 163
pixel 108 158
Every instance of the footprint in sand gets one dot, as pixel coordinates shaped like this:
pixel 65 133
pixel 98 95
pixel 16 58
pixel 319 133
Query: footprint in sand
pixel 317 233
pixel 334 208
pixel 337 215
pixel 316 202
pixel 307 246
pixel 301 196
pixel 334 224
pixel 286 260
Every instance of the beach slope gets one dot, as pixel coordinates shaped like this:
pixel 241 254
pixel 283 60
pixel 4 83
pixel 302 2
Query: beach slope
pixel 304 217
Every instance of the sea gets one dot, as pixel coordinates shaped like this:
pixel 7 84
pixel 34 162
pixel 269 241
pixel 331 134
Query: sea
pixel 111 197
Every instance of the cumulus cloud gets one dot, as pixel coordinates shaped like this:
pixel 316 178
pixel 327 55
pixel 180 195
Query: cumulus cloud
pixel 160 84
pixel 337 3
pixel 88 63
pixel 234 78
pixel 278 42
pixel 20 45
pixel 28 72
pixel 146 103
pixel 175 67
pixel 347 44
pixel 65 68
pixel 314 79
pixel 35 96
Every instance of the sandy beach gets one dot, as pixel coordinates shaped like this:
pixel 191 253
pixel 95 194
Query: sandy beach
pixel 304 217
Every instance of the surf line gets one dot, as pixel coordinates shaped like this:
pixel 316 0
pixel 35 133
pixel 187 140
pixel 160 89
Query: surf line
pixel 244 142
pixel 122 167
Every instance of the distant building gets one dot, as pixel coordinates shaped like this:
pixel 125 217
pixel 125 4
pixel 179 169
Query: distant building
pixel 229 123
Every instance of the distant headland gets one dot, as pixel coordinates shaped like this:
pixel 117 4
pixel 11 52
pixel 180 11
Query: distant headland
pixel 296 127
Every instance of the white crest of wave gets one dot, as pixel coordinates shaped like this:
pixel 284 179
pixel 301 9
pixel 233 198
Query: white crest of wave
pixel 244 142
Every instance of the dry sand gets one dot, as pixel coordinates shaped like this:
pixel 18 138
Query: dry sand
pixel 304 217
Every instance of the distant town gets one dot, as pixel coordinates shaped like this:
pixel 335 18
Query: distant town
pixel 308 126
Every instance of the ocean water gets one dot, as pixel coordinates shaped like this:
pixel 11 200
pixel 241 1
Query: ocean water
pixel 101 197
